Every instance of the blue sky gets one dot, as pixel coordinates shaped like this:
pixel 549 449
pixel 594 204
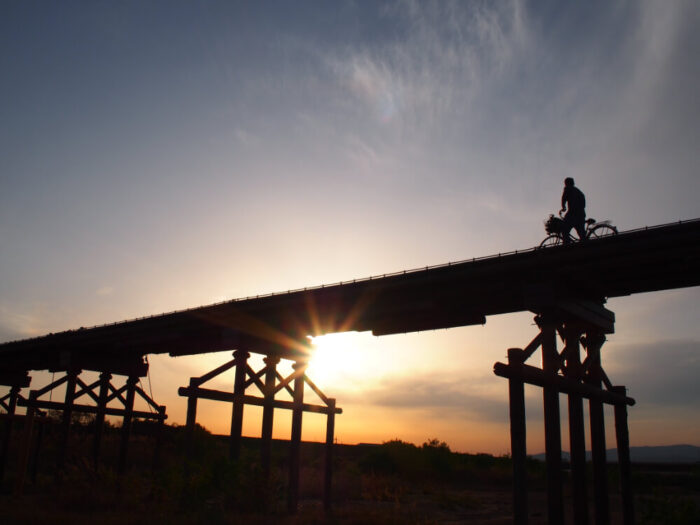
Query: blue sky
pixel 165 155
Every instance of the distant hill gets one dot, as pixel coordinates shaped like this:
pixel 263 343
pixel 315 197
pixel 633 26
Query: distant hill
pixel 663 454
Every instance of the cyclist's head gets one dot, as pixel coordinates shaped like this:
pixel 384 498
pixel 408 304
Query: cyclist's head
pixel 568 181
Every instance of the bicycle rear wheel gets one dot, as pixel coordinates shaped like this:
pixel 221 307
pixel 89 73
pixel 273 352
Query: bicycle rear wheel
pixel 552 240
pixel 602 230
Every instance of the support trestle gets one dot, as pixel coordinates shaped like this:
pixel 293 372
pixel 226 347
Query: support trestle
pixel 16 381
pixel 563 372
pixel 269 382
pixel 97 395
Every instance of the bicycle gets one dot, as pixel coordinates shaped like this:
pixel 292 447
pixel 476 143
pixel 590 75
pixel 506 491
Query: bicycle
pixel 554 226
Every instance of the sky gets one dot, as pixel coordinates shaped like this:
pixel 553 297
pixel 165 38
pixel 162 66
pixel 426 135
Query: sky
pixel 157 156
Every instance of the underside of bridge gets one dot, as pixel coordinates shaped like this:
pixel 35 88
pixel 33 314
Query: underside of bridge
pixel 565 286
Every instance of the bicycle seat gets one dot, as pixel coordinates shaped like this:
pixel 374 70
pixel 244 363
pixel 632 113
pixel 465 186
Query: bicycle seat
pixel 590 221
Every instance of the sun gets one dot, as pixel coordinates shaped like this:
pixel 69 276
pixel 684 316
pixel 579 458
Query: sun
pixel 334 359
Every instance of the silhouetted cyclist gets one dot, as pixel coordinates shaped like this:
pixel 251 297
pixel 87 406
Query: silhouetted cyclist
pixel 576 215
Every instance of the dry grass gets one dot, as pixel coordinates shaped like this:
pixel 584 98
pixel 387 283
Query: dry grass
pixel 395 483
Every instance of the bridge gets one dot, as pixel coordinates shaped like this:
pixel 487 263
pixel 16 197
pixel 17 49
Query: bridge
pixel 566 286
pixel 450 295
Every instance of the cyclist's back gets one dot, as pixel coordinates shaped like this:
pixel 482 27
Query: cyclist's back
pixel 574 202
pixel 575 199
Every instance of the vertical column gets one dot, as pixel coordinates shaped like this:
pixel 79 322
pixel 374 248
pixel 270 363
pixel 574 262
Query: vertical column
pixel 328 478
pixel 126 424
pixel 34 463
pixel 191 415
pixel 26 441
pixel 159 438
pixel 577 441
pixel 105 378
pixel 241 357
pixel 597 421
pixel 623 458
pixel 552 424
pixel 7 433
pixel 67 416
pixel 295 443
pixel 268 414
pixel 518 448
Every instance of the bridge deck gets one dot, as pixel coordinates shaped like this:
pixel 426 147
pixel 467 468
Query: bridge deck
pixel 455 294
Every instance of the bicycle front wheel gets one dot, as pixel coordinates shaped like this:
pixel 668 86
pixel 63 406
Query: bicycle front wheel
pixel 552 240
pixel 602 230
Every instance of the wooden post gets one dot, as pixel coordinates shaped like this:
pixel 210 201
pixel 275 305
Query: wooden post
pixel 328 478
pixel 577 440
pixel 7 434
pixel 159 439
pixel 26 442
pixel 191 417
pixel 295 443
pixel 105 378
pixel 518 445
pixel 623 458
pixel 552 426
pixel 268 415
pixel 67 416
pixel 34 462
pixel 597 422
pixel 126 423
pixel 241 357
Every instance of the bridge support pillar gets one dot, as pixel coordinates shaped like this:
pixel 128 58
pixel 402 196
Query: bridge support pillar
pixel 268 416
pixel 552 423
pixel 7 431
pixel 191 419
pixel 328 474
pixel 105 378
pixel 516 395
pixel 101 392
pixel 269 383
pixel 16 381
pixel 577 440
pixel 26 442
pixel 623 459
pixel 241 359
pixel 71 382
pixel 593 343
pixel 563 373
pixel 295 442
pixel 126 422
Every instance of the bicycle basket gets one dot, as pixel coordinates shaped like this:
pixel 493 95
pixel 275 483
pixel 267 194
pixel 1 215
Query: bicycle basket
pixel 553 225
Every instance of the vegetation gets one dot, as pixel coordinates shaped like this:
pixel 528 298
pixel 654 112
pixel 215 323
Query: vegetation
pixel 396 482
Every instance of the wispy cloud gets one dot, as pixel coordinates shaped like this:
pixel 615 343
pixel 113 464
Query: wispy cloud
pixel 104 291
pixel 437 67
pixel 17 325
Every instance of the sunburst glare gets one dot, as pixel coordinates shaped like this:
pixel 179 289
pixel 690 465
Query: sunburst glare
pixel 337 360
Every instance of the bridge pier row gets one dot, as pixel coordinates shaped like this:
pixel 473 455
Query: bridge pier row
pixel 101 393
pixel 269 382
pixel 564 373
